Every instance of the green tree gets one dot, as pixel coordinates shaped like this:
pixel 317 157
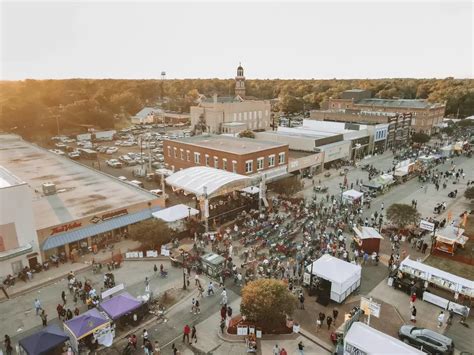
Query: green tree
pixel 247 134
pixel 267 302
pixel 402 215
pixel 420 138
pixel 448 130
pixel 152 233
pixel 469 193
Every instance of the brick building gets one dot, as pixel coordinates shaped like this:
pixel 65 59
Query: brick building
pixel 239 155
pixel 426 116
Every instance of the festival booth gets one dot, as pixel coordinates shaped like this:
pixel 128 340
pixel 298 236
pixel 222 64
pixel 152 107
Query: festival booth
pixel 337 278
pixel 436 286
pixel 88 328
pixel 446 151
pixel 353 197
pixel 48 341
pixel 213 264
pixel 367 239
pixel 384 180
pixel 363 339
pixel 449 238
pixel 175 215
pixel 123 307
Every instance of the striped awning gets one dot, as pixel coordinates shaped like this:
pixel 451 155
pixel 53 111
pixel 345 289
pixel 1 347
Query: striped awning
pixel 94 229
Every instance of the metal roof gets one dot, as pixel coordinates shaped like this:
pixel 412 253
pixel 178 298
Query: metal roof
pixel 404 103
pixel 196 179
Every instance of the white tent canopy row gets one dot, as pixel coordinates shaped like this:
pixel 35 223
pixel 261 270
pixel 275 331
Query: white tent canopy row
pixel 344 276
pixel 201 180
pixel 175 213
pixel 432 274
pixel 352 195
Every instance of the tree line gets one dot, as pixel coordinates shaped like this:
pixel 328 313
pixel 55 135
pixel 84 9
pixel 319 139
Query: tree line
pixel 36 107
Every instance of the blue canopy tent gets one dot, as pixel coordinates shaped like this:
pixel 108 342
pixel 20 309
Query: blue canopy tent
pixel 43 342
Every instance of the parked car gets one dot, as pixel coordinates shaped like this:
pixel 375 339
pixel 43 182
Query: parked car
pixel 122 178
pixel 159 193
pixel 114 163
pixel 136 183
pixel 74 155
pixel 426 340
pixel 111 150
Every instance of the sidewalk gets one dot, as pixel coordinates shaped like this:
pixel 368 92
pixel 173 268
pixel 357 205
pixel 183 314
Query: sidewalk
pixel 54 273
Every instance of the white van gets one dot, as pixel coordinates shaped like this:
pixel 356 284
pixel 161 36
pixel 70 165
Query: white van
pixel 136 183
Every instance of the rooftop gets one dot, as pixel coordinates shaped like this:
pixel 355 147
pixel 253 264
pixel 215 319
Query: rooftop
pixel 403 103
pixel 230 144
pixel 144 112
pixel 222 99
pixel 81 191
pixel 7 179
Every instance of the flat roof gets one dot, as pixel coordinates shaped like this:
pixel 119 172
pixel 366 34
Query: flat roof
pixel 230 144
pixel 7 179
pixel 81 191
pixel 404 103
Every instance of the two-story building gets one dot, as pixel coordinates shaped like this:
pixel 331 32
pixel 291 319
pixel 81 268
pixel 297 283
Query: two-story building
pixel 239 155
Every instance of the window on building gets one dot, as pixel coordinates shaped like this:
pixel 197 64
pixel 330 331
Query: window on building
pixel 188 155
pixel 197 158
pixel 249 166
pixel 266 113
pixel 260 114
pixel 207 160
pixel 175 151
pixel 271 160
pixel 245 116
pixel 235 116
pixel 234 166
pixel 169 151
pixel 181 153
pixel 216 162
pixel 224 163
pixel 260 163
pixel 281 158
pixel 255 115
pixel 240 116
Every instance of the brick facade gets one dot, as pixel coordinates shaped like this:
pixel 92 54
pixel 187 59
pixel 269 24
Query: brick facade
pixel 182 155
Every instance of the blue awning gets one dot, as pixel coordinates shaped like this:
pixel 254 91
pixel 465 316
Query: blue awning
pixel 94 229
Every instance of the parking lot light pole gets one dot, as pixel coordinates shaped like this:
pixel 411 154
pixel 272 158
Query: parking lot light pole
pixel 184 270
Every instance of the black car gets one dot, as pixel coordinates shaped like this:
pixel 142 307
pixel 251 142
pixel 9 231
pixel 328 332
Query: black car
pixel 426 340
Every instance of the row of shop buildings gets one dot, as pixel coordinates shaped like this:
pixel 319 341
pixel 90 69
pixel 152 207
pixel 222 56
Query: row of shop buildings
pixel 51 205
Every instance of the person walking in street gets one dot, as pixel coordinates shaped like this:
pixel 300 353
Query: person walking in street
pixel 301 299
pixel 145 336
pixel 60 310
pixel 449 321
pixel 175 350
pixel 186 331
pixel 44 318
pixel 223 312
pixel 193 305
pixel 200 291
pixel 69 314
pixel 133 341
pixel 301 348
pixel 63 297
pixel 276 350
pixel 412 299
pixel 155 270
pixel 329 321
pixel 440 319
pixel 413 314
pixel 157 350
pixel 7 343
pixel 222 325
pixel 210 288
pixel 194 335
pixel 224 296
pixel 197 309
pixel 335 313
pixel 37 306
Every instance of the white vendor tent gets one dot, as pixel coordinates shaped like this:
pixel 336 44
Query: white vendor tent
pixel 352 195
pixel 251 190
pixel 175 213
pixel 344 276
pixel 362 339
pixel 203 180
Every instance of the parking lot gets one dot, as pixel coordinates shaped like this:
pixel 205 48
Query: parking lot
pixel 133 156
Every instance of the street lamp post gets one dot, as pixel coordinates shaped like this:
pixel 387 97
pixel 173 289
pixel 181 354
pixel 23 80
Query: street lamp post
pixel 184 270
pixel 341 186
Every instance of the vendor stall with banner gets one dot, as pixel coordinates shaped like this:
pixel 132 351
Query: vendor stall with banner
pixel 48 341
pixel 449 238
pixel 367 239
pixel 89 329
pixel 353 197
pixel 124 308
pixel 432 281
pixel 337 278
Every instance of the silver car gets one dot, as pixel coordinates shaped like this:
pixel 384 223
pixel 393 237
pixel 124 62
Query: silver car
pixel 426 340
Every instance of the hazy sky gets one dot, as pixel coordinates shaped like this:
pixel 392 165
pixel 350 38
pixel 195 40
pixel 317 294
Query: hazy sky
pixel 323 39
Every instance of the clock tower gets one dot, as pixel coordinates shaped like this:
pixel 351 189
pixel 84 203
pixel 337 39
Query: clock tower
pixel 240 82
